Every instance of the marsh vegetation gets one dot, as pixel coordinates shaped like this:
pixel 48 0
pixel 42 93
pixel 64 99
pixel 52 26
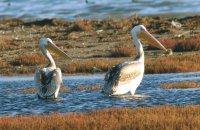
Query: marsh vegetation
pixel 180 85
pixel 164 117
pixel 98 45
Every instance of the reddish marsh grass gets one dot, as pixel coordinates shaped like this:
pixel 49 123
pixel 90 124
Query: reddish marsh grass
pixel 85 25
pixel 92 88
pixel 26 91
pixel 91 65
pixel 180 45
pixel 64 90
pixel 31 59
pixel 168 43
pixel 33 91
pixel 173 64
pixel 163 118
pixel 182 85
pixel 123 51
pixel 189 44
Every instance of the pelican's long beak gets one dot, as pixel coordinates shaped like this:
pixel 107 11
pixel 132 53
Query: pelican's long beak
pixel 145 35
pixel 51 46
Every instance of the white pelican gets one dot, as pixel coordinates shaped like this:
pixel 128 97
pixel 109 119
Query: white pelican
pixel 126 77
pixel 49 79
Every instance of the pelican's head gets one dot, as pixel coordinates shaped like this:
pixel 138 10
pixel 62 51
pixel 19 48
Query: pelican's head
pixel 138 29
pixel 141 32
pixel 47 43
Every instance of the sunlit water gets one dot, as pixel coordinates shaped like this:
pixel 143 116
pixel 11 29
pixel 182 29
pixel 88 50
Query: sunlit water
pixel 149 94
pixel 95 9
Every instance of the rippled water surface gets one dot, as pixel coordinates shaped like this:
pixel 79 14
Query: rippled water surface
pixel 149 91
pixel 95 9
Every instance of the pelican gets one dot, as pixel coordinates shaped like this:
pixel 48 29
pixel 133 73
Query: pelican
pixel 49 79
pixel 126 77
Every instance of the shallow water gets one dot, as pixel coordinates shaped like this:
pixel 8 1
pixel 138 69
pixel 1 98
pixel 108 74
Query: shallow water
pixel 148 93
pixel 95 9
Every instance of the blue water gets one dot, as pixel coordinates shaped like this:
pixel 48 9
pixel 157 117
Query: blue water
pixel 149 94
pixel 95 9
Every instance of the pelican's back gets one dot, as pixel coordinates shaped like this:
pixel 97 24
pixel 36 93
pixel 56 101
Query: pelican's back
pixel 122 74
pixel 48 85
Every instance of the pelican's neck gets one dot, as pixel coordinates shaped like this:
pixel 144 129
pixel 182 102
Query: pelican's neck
pixel 48 56
pixel 139 49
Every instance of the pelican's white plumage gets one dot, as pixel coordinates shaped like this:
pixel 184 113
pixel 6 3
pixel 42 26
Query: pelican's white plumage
pixel 49 79
pixel 126 77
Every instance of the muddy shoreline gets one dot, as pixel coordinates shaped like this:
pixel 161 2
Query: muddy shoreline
pixel 84 40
